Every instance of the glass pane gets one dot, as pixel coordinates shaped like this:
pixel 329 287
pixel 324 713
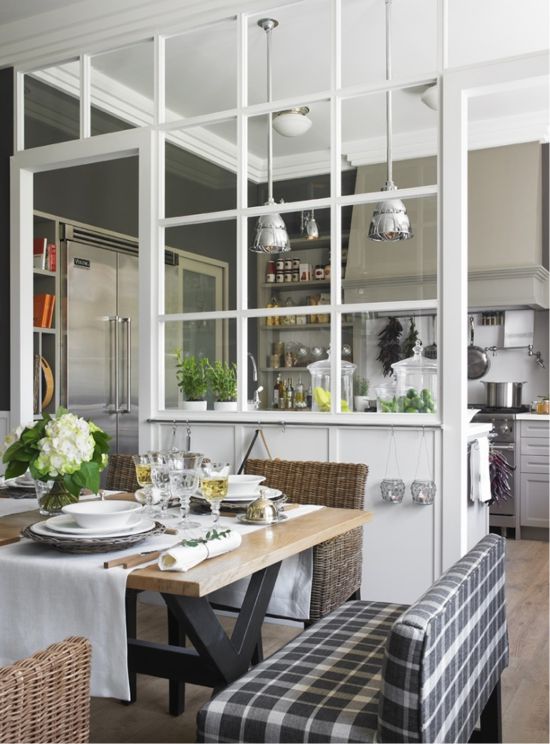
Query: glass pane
pixel 300 51
pixel 387 271
pixel 295 157
pixel 200 340
pixel 284 346
pixel 301 276
pixel 414 40
pixel 377 341
pixel 199 268
pixel 201 165
pixel 213 51
pixel 122 87
pixel 414 141
pixel 52 105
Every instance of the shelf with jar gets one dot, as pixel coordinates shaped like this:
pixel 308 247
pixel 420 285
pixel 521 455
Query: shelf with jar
pixel 46 314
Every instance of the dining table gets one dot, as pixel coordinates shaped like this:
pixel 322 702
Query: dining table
pixel 216 657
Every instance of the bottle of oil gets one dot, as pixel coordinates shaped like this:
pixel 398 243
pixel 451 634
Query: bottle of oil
pixel 289 395
pixel 276 387
pixel 282 393
pixel 299 395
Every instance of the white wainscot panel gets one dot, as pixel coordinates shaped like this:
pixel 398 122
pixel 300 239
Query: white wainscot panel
pixel 399 541
pixel 289 443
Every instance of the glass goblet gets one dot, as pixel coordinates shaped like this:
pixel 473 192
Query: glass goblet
pixel 160 476
pixel 214 485
pixel 143 476
pixel 184 480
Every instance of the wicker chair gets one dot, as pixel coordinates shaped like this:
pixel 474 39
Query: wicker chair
pixel 337 562
pixel 121 474
pixel 46 697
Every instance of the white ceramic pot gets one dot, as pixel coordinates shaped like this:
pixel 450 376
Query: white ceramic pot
pixel 360 403
pixel 225 405
pixel 193 405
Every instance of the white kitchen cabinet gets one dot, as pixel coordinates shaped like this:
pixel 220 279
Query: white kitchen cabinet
pixel 533 478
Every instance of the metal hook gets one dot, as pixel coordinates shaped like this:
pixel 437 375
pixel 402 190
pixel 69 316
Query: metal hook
pixel 283 425
pixel 188 437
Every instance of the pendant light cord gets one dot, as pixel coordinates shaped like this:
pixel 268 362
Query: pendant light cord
pixel 269 122
pixel 388 95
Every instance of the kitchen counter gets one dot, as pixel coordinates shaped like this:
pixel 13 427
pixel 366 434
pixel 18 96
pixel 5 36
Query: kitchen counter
pixel 478 430
pixel 532 417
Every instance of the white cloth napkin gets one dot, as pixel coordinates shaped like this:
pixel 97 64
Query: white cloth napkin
pixel 480 480
pixel 184 557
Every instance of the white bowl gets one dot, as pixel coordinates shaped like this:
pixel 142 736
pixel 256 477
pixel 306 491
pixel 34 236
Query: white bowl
pixel 243 485
pixel 98 514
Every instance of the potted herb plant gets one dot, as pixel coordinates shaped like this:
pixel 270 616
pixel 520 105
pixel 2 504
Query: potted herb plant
pixel 222 380
pixel 360 400
pixel 191 375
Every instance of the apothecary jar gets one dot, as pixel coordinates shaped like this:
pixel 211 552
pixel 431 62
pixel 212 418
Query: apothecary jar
pixel 416 383
pixel 320 385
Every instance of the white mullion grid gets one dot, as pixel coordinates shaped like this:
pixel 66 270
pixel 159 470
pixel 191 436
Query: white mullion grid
pixel 160 200
pixel 335 211
pixel 85 96
pixel 200 120
pixel 242 222
pixel 19 93
pixel 443 35
pixel 159 95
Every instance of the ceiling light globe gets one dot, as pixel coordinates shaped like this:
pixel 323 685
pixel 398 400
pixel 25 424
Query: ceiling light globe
pixel 431 97
pixel 292 122
pixel 271 235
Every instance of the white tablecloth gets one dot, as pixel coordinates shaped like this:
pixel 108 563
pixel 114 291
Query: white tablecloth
pixel 47 596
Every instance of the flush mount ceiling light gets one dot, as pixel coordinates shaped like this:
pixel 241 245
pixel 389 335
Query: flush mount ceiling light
pixel 389 221
pixel 292 122
pixel 271 235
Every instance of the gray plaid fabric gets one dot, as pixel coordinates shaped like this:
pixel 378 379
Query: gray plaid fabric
pixel 447 652
pixel 321 687
pixel 334 683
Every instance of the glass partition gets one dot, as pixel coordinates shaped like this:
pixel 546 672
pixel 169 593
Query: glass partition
pixel 52 105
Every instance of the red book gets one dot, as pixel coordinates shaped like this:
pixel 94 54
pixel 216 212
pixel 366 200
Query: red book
pixel 39 253
pixel 51 260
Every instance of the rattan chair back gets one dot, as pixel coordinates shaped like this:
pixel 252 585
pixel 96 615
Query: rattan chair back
pixel 121 474
pixel 337 563
pixel 46 697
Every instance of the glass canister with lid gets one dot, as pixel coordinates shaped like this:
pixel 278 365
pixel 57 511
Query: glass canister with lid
pixel 416 383
pixel 320 385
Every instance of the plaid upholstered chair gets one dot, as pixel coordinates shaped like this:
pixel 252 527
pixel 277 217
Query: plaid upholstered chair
pixel 385 672
pixel 46 697
pixel 337 563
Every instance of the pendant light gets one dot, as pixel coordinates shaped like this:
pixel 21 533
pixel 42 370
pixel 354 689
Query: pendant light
pixel 389 221
pixel 271 235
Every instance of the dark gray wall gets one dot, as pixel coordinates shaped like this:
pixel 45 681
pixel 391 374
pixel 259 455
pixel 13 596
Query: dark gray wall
pixel 6 150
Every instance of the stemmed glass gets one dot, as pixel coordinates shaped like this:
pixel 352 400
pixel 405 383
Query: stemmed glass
pixel 143 477
pixel 160 477
pixel 214 485
pixel 184 480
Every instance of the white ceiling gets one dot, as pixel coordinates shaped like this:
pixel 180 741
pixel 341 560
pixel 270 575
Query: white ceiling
pixel 16 10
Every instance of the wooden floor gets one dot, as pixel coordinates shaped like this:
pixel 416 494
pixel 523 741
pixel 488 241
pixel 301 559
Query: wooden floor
pixel 525 682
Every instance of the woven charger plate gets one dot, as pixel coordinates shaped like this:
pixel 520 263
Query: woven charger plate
pixel 92 544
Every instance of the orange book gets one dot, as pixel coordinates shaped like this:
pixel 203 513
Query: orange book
pixel 51 306
pixel 43 310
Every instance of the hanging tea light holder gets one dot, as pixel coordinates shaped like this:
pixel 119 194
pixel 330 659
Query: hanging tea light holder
pixel 423 491
pixel 392 489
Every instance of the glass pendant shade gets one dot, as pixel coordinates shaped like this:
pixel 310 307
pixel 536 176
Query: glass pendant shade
pixel 312 230
pixel 271 235
pixel 390 221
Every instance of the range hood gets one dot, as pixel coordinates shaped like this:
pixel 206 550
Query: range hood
pixel 517 287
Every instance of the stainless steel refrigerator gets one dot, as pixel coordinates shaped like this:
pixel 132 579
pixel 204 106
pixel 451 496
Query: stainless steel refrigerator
pixel 100 344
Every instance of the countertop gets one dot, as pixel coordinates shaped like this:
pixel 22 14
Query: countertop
pixel 532 417
pixel 478 430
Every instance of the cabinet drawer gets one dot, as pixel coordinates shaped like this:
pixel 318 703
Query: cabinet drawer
pixel 534 464
pixel 535 429
pixel 534 500
pixel 532 446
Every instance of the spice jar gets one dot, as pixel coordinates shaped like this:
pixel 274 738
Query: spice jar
pixel 280 264
pixel 319 272
pixel 279 277
pixel 288 264
pixel 270 272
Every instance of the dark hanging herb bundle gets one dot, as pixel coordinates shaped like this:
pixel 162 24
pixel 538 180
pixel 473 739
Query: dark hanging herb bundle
pixel 389 345
pixel 500 472
pixel 410 342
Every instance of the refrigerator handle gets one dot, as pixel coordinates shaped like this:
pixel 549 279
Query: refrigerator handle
pixel 128 323
pixel 113 367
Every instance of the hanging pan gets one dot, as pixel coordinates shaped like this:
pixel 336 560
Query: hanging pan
pixel 478 361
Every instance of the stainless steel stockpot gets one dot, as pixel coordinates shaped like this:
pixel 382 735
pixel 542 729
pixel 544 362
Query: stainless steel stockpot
pixel 503 394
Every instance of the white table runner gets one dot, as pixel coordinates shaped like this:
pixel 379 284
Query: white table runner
pixel 48 595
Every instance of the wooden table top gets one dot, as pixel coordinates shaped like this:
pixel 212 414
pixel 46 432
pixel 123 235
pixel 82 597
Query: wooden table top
pixel 258 549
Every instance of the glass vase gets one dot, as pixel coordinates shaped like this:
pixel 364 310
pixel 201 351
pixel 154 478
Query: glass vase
pixel 52 496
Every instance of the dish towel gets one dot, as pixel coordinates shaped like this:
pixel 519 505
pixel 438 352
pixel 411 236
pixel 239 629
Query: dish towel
pixel 480 480
pixel 184 557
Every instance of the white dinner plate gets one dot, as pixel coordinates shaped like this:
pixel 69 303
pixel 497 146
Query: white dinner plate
pixel 65 526
pixel 272 493
pixel 19 482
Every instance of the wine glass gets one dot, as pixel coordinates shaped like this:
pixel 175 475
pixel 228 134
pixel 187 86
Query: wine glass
pixel 214 485
pixel 184 480
pixel 160 477
pixel 143 476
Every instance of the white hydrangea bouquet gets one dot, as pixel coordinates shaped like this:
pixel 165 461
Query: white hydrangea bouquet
pixel 64 451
